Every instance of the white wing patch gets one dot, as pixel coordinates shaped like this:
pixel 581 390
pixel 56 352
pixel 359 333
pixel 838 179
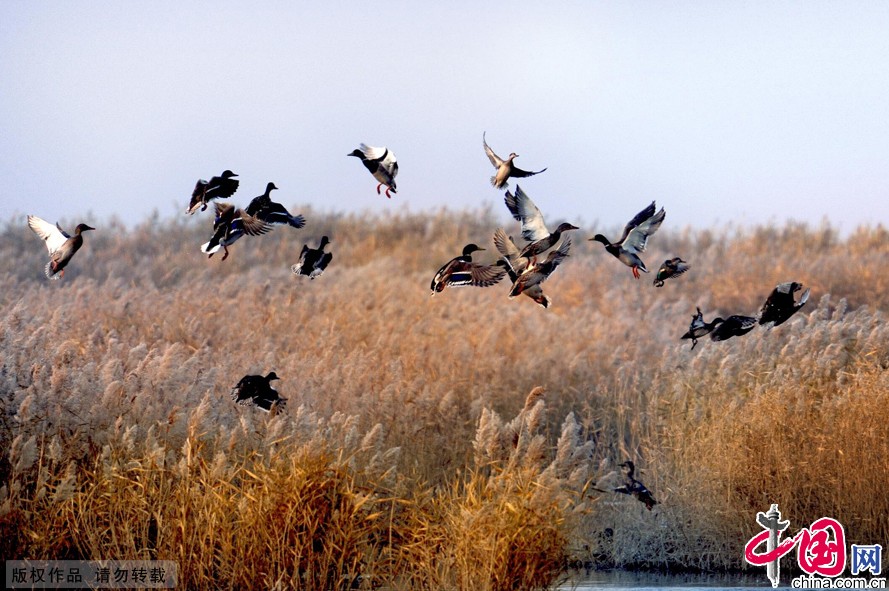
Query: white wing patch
pixel 637 239
pixel 372 153
pixel 53 236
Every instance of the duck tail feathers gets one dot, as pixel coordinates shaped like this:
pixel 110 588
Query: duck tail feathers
pixel 47 270
pixel 206 247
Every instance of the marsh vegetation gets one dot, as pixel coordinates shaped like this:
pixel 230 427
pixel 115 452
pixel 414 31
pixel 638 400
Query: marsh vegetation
pixel 452 442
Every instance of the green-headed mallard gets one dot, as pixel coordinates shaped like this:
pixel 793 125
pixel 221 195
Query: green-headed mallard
pixel 632 242
pixel 60 244
pixel 505 168
pixel 381 163
pixel 534 230
pixel 635 488
pixel 462 271
pixel 257 391
pixel 698 328
pixel 733 326
pixel 671 268
pixel 231 223
pixel 313 261
pixel 218 187
pixel 264 208
pixel 781 305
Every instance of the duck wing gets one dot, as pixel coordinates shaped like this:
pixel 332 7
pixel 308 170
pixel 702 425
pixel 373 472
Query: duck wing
pixel 252 226
pixel 733 326
pixel 637 237
pixel 197 196
pixel 220 187
pixel 509 251
pixel 496 161
pixel 681 268
pixel 374 153
pixel 539 273
pixel 485 275
pixel 459 273
pixel 637 219
pixel 523 210
pixel 324 261
pixel 275 213
pixel 389 163
pixel 556 256
pixel 52 235
pixel 519 173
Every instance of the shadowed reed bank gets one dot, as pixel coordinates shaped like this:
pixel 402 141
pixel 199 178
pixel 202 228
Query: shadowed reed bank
pixel 410 453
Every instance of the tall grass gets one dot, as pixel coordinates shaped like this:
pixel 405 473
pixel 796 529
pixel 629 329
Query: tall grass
pixel 392 463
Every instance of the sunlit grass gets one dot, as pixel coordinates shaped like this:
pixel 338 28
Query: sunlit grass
pixel 410 453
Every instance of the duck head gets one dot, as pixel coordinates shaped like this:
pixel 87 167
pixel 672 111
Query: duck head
pixel 565 226
pixel 324 242
pixel 227 174
pixel 82 228
pixel 471 248
pixel 269 188
pixel 357 153
pixel 272 376
pixel 601 238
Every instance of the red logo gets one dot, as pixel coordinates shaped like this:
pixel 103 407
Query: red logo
pixel 821 547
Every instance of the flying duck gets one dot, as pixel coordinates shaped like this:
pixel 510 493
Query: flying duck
pixel 258 391
pixel 633 487
pixel 381 163
pixel 537 273
pixel 526 274
pixel 535 292
pixel 781 305
pixel 60 244
pixel 632 242
pixel 313 261
pixel 733 326
pixel 231 223
pixel 698 328
pixel 264 208
pixel 505 168
pixel 514 265
pixel 461 271
pixel 671 268
pixel 217 187
pixel 533 227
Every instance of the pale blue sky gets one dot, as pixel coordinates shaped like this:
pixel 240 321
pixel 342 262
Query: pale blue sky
pixel 728 112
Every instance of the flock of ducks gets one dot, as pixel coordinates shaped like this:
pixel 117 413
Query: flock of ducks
pixel 527 263
pixel 777 309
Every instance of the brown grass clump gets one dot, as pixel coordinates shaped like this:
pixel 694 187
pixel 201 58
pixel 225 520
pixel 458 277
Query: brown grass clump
pixel 391 463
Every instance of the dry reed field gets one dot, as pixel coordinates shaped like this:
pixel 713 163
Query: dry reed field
pixel 452 442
